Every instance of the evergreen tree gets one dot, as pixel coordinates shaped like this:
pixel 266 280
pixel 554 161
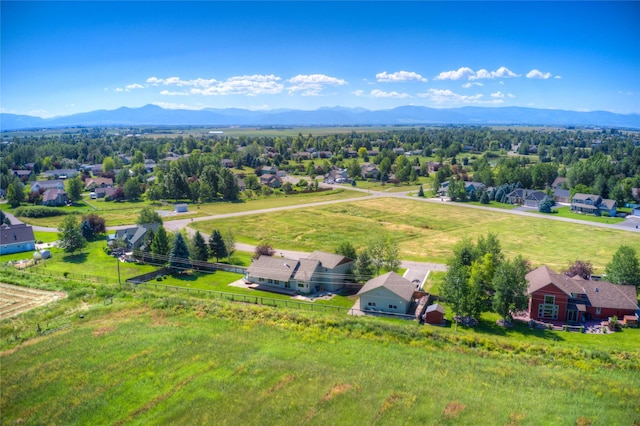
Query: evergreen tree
pixel 200 249
pixel 228 185
pixel 364 269
pixel 346 249
pixel 217 246
pixel 179 255
pixel 86 229
pixel 70 237
pixel 484 198
pixel 160 245
pixel 545 205
pixel 420 192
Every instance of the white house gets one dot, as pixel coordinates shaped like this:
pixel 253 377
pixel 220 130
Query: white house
pixel 16 238
pixel 387 293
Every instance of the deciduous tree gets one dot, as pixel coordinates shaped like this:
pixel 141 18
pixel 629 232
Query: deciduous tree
pixel 510 287
pixel 624 267
pixel 70 237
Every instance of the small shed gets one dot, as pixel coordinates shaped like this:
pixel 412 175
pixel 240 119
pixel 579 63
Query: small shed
pixel 181 208
pixel 434 314
pixel 635 212
pixel 45 254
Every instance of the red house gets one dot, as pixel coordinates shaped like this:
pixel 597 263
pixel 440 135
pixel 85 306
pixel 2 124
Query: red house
pixel 557 297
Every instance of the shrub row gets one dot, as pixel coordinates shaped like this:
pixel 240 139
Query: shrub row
pixel 41 211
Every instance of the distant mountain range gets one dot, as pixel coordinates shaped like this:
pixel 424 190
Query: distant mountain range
pixel 337 116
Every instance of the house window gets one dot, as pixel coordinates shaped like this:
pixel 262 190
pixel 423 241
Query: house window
pixel 598 311
pixel 549 300
pixel 300 285
pixel 548 311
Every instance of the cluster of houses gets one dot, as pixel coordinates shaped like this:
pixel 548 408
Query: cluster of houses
pixel 553 297
pixel 580 203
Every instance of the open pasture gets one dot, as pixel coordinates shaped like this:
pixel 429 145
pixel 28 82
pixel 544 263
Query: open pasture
pixel 427 231
pixel 228 364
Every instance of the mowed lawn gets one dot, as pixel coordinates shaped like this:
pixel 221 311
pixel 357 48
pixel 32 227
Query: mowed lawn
pixel 140 365
pixel 427 231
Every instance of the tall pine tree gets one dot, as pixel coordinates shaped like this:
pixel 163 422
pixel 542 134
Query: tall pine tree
pixel 179 255
pixel 216 245
pixel 200 249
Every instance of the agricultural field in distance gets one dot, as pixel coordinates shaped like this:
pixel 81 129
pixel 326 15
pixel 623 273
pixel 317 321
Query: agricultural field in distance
pixel 427 231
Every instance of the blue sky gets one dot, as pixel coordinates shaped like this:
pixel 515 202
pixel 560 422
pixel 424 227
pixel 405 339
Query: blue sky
pixel 60 58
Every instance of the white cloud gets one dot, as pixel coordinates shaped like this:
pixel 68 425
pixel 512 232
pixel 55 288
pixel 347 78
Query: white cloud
pixel 250 85
pixel 169 93
pixel 385 77
pixel 455 75
pixel 382 94
pixel 534 73
pixel 443 97
pixel 470 84
pixel 466 72
pixel 177 81
pixel 133 86
pixel 312 84
pixel 119 89
pixel 558 77
pixel 446 96
pixel 511 95
pixel 502 72
pixel 358 92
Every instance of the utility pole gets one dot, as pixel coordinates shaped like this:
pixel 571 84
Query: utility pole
pixel 118 263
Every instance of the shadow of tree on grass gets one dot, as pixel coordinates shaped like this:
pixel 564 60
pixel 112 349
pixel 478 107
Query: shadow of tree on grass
pixel 75 258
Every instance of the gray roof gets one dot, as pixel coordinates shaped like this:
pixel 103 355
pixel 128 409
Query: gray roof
pixel 329 260
pixel 564 193
pixel 52 194
pixel 536 195
pixel 392 282
pixel 305 270
pixel 274 268
pixel 14 234
pixel 47 184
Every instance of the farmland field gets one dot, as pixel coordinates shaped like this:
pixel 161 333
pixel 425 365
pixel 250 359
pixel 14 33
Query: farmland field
pixel 15 300
pixel 427 231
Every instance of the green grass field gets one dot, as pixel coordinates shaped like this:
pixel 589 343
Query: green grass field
pixel 149 359
pixel 124 213
pixel 427 231
pixel 565 211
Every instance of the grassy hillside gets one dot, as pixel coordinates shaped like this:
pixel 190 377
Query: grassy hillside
pixel 428 231
pixel 146 358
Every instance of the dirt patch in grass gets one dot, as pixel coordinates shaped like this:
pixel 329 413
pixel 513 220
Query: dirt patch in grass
pixel 102 331
pixel 282 383
pixel 336 390
pixel 515 418
pixel 453 409
pixel 395 399
pixel 584 421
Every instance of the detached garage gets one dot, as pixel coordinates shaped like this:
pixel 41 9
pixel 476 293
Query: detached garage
pixel 387 293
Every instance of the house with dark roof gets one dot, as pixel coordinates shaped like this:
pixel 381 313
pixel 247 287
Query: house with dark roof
pixel 319 272
pixel 559 183
pixel 16 238
pixel 54 197
pixel 562 196
pixel 271 181
pixel 136 237
pixel 526 197
pixel 389 293
pixel 61 173
pixel 593 204
pixel 370 171
pixel 557 297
